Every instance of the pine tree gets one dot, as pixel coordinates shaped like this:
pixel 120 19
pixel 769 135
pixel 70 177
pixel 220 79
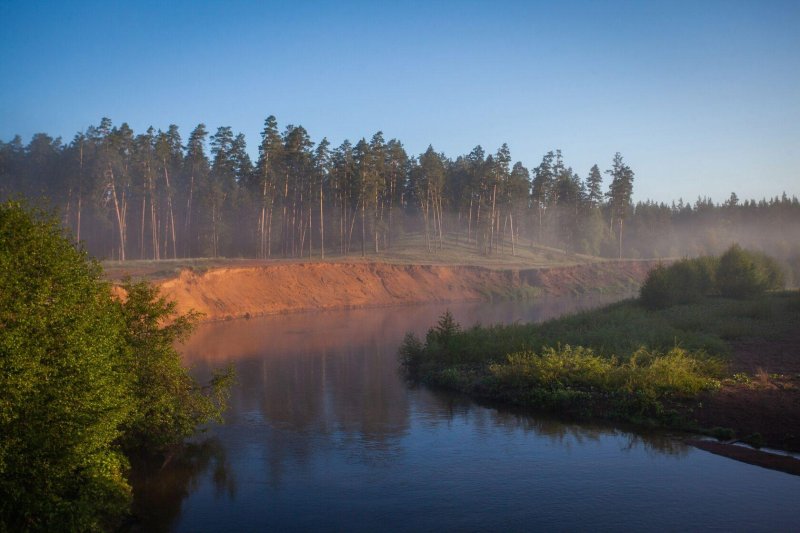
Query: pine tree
pixel 270 155
pixel 619 194
pixel 169 155
pixel 196 170
pixel 322 168
pixel 594 187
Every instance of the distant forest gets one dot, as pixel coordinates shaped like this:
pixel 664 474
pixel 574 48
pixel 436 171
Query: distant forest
pixel 153 196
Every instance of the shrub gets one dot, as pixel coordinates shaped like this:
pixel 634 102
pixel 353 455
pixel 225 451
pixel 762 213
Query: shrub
pixel 62 388
pixel 411 352
pixel 736 274
pixel 743 274
pixel 166 403
pixel 555 368
pixel 648 373
pixel 655 292
pixel 84 377
pixel 683 282
pixel 674 372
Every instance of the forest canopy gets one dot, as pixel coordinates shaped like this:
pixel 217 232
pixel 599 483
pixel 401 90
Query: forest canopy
pixel 158 195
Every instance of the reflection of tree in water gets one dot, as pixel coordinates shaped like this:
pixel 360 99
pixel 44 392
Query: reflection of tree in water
pixel 368 403
pixel 507 418
pixel 314 404
pixel 322 389
pixel 159 488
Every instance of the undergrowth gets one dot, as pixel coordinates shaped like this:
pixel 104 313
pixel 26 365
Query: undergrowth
pixel 622 361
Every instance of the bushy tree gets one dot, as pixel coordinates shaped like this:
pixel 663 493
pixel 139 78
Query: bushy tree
pixel 63 387
pixel 737 273
pixel 744 273
pixel 167 404
pixel 84 379
pixel 683 282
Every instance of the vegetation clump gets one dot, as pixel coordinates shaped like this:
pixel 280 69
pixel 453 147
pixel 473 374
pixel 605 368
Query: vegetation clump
pixel 86 381
pixel 623 361
pixel 649 372
pixel 744 274
pixel 576 380
pixel 737 273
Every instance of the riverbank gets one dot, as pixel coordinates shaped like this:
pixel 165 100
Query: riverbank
pixel 723 367
pixel 266 288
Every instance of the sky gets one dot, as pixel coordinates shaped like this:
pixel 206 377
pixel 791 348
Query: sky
pixel 701 98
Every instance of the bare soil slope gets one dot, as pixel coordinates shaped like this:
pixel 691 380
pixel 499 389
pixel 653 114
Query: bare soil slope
pixel 252 290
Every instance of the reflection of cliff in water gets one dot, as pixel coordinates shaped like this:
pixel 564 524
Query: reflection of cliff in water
pixel 333 371
pixel 318 381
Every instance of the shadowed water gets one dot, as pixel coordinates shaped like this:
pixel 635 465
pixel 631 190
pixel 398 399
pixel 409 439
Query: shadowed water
pixel 323 434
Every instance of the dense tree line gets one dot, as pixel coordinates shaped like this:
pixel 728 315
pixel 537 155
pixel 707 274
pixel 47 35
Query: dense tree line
pixel 155 196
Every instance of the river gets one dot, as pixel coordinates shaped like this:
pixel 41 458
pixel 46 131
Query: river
pixel 324 434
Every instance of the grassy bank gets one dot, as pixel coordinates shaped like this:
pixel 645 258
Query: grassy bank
pixel 623 361
pixel 407 250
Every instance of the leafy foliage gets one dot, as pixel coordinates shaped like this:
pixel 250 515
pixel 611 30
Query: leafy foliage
pixel 683 282
pixel 646 373
pixel 63 388
pixel 621 361
pixel 737 273
pixel 83 378
pixel 168 405
pixel 744 273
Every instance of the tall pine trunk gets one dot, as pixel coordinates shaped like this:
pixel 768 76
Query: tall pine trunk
pixel 170 215
pixel 119 209
pixel 321 226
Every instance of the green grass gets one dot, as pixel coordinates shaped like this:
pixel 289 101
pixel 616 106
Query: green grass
pixel 407 250
pixel 411 249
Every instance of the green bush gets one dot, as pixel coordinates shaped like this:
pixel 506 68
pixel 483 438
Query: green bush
pixel 84 380
pixel 744 274
pixel 412 352
pixel 683 282
pixel 736 274
pixel 63 388
pixel 555 368
pixel 656 291
pixel 166 404
pixel 653 374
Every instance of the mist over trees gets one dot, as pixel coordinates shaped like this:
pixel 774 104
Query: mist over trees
pixel 154 195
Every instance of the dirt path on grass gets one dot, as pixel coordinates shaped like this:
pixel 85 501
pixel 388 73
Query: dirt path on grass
pixel 253 290
pixel 769 402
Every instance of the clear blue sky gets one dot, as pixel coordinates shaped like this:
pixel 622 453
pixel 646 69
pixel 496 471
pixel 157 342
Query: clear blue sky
pixel 701 97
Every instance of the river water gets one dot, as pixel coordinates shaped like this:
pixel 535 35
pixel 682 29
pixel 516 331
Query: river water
pixel 324 434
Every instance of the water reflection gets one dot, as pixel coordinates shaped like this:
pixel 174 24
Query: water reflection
pixel 324 434
pixel 508 419
pixel 330 379
pixel 160 487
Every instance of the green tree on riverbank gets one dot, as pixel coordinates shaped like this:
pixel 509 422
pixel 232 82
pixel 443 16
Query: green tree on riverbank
pixel 85 380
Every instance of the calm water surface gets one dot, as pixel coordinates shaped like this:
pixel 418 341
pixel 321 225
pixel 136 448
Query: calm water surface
pixel 323 434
